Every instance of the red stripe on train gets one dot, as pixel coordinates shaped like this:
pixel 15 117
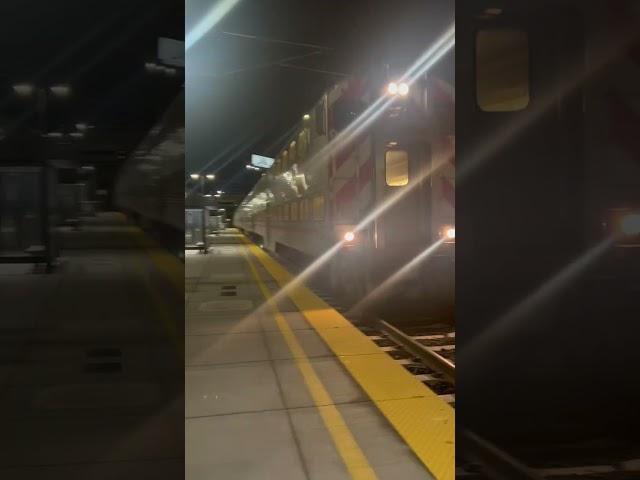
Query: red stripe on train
pixel 354 185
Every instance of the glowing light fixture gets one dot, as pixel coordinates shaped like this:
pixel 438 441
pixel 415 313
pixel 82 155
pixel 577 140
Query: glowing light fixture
pixel 448 232
pixel 23 89
pixel 61 90
pixel 194 176
pixel 349 237
pixel 403 89
pixel 392 88
pixel 306 116
pixel 210 176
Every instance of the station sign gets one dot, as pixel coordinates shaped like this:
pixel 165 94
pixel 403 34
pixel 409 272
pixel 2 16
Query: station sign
pixel 171 52
pixel 261 162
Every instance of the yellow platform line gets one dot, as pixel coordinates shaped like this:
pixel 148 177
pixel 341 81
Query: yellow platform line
pixel 346 445
pixel 421 418
pixel 167 266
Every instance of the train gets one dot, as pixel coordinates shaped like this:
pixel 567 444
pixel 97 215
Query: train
pixel 369 176
pixel 548 194
pixel 150 184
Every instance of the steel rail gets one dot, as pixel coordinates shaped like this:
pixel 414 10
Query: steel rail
pixel 430 358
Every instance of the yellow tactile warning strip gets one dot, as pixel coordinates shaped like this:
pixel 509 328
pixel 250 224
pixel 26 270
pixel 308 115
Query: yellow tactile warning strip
pixel 171 269
pixel 346 445
pixel 423 420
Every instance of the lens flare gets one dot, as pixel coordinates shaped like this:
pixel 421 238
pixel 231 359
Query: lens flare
pixel 217 13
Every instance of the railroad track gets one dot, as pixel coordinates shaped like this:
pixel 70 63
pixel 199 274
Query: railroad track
pixel 428 353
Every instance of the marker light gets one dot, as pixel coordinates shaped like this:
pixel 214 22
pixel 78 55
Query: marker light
pixel 403 89
pixel 630 224
pixel 448 232
pixel 349 237
pixel 392 88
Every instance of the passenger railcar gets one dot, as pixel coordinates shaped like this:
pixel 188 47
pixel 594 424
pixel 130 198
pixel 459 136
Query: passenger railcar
pixel 324 187
pixel 150 185
pixel 548 184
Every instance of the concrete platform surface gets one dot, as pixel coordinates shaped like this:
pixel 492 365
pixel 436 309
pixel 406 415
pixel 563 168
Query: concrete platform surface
pixel 266 398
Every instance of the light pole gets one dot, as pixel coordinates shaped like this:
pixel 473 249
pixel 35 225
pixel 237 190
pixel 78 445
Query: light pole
pixel 42 97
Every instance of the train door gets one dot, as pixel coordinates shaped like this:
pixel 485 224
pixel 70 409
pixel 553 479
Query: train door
pixel 403 229
pixel 518 131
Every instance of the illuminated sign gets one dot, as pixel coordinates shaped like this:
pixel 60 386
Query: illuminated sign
pixel 260 161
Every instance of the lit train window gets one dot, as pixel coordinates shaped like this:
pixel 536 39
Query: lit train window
pixel 318 207
pixel 293 153
pixel 320 119
pixel 396 168
pixel 502 70
pixel 302 146
pixel 301 211
pixel 294 211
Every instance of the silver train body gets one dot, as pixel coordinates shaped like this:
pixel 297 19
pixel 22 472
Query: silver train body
pixel 150 186
pixel 385 194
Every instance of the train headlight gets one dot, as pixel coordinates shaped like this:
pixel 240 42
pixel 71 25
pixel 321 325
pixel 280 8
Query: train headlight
pixel 448 233
pixel 349 237
pixel 630 224
pixel 395 88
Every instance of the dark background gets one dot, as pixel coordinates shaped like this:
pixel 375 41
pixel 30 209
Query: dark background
pixel 99 49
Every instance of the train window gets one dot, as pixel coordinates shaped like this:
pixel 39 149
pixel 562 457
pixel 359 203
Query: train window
pixel 344 112
pixel 293 153
pixel 318 207
pixel 396 168
pixel 294 211
pixel 502 70
pixel 302 146
pixel 320 119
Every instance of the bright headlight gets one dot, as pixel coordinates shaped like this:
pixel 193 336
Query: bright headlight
pixel 403 89
pixel 392 88
pixel 349 237
pixel 448 232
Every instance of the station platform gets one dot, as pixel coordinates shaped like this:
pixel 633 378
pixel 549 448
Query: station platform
pixel 91 359
pixel 281 386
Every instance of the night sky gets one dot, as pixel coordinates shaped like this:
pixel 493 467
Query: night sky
pixel 239 102
pixel 99 48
